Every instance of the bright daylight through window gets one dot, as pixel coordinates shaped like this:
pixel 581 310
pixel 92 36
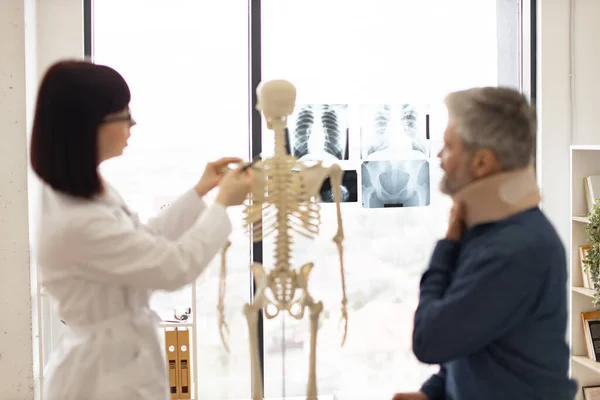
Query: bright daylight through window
pixel 190 100
pixel 371 77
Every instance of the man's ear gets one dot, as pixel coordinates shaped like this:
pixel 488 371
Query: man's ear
pixel 483 163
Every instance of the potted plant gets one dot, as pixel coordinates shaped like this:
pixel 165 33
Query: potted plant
pixel 592 261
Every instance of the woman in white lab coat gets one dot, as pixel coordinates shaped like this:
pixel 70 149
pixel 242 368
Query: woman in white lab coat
pixel 96 259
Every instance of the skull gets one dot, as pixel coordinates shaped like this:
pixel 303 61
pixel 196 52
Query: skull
pixel 276 100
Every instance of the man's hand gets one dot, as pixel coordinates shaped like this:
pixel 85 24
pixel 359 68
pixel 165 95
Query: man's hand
pixel 456 224
pixel 410 396
pixel 213 173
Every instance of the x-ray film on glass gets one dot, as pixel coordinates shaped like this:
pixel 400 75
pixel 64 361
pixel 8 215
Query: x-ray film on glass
pixel 394 131
pixel 387 184
pixel 319 132
pixel 349 189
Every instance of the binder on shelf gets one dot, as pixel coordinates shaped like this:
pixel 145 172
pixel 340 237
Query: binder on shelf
pixel 183 355
pixel 589 341
pixel 172 362
pixel 177 347
pixel 594 332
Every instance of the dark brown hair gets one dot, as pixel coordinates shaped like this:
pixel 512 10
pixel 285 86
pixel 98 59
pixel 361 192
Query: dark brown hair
pixel 73 99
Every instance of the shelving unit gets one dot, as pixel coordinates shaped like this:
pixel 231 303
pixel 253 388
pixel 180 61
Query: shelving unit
pixel 585 161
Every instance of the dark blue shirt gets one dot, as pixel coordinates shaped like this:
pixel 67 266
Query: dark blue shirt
pixel 493 313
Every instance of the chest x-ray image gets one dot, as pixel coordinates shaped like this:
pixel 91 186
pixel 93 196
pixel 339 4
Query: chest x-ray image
pixel 349 187
pixel 395 184
pixel 394 131
pixel 395 171
pixel 319 132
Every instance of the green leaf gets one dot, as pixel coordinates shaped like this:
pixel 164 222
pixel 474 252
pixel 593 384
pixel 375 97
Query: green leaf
pixel 592 261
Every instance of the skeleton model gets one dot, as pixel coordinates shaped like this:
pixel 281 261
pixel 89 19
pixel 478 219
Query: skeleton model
pixel 284 201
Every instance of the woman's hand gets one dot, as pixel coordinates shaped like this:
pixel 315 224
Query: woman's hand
pixel 234 187
pixel 213 173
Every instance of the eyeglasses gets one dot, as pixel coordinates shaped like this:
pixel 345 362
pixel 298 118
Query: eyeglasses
pixel 119 118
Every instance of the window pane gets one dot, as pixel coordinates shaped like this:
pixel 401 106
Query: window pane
pixel 380 70
pixel 187 65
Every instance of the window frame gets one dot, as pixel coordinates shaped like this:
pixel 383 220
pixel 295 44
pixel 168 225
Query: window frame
pixel 527 76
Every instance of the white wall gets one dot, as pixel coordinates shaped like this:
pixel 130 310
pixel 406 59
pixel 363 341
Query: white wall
pixel 16 372
pixel 59 35
pixel 554 92
pixel 60 31
pixel 27 46
pixel 587 72
pixel 553 110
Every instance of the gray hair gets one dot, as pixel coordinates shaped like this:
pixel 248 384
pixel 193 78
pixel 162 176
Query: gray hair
pixel 497 118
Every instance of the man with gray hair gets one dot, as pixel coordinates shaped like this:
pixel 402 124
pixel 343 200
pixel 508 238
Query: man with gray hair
pixel 493 304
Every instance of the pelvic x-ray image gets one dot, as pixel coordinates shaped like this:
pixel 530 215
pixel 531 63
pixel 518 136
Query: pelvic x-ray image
pixel 349 189
pixel 319 132
pixel 395 183
pixel 394 131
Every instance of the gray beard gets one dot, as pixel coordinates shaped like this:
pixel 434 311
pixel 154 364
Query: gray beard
pixel 449 187
pixel 445 188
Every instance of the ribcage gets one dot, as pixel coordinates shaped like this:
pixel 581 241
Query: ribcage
pixel 410 123
pixel 382 119
pixel 331 127
pixel 285 192
pixel 304 123
pixel 408 116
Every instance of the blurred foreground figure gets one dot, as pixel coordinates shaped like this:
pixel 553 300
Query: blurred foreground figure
pixel 97 260
pixel 493 302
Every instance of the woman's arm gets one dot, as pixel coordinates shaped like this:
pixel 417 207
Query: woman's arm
pixel 176 218
pixel 98 246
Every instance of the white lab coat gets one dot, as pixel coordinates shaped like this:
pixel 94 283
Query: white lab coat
pixel 101 265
